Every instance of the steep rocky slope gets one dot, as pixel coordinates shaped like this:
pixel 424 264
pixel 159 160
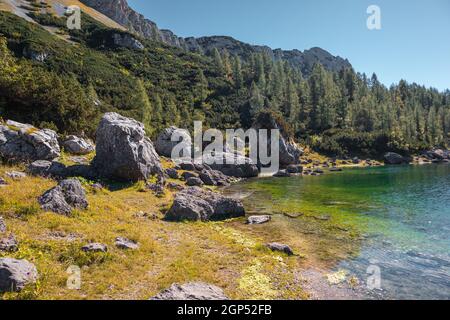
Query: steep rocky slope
pixel 122 13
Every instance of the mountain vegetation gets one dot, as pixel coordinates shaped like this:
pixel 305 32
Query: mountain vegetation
pixel 67 79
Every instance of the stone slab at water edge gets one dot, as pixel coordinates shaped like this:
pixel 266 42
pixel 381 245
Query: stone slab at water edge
pixel 123 151
pixel 195 204
pixel 192 291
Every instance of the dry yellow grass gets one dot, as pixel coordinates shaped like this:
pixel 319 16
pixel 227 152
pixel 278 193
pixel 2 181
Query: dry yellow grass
pixel 217 253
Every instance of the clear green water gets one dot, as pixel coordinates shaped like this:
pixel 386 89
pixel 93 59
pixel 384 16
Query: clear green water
pixel 402 213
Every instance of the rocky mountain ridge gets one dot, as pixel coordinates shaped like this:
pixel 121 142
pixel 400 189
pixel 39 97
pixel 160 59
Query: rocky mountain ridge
pixel 122 13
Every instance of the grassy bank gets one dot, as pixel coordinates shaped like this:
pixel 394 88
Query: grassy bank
pixel 224 254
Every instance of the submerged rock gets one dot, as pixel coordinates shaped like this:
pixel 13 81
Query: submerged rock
pixel 280 248
pixel 23 142
pixel 66 196
pixel 123 150
pixel 192 291
pixel 195 204
pixel 15 275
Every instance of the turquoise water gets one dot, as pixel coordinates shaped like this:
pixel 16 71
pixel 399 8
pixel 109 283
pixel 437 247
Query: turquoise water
pixel 402 213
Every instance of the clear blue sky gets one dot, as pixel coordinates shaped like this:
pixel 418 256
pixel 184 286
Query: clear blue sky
pixel 413 44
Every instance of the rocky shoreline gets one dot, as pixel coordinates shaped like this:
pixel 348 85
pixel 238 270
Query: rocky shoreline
pixel 124 153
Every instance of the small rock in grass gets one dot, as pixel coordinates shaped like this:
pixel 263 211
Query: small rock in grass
pixel 192 291
pixel 322 218
pixel 188 166
pixel 187 175
pixel 9 244
pixel 3 182
pixel 194 182
pixel 95 247
pixel 172 173
pixel 258 219
pixel 175 186
pixel 280 248
pixel 15 275
pixel 126 244
pixel 66 196
pixel 16 175
pixel 2 225
pixel 282 174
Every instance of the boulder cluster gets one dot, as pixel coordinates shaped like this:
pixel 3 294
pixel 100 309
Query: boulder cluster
pixel 123 152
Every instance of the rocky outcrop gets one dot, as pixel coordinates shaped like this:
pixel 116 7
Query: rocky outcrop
pixel 15 275
pixel 120 12
pixel 164 144
pixel 232 165
pixel 289 151
pixel 78 146
pixel 23 142
pixel 126 40
pixel 123 151
pixel 195 204
pixel 66 196
pixel 437 154
pixel 192 291
pixel 394 158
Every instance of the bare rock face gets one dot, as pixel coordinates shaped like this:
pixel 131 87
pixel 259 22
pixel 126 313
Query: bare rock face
pixel 78 146
pixel 123 150
pixel 164 144
pixel 126 40
pixel 16 274
pixel 67 195
pixel 192 291
pixel 24 143
pixel 195 204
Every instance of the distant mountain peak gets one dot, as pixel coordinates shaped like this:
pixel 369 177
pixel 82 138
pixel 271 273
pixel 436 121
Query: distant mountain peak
pixel 123 14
